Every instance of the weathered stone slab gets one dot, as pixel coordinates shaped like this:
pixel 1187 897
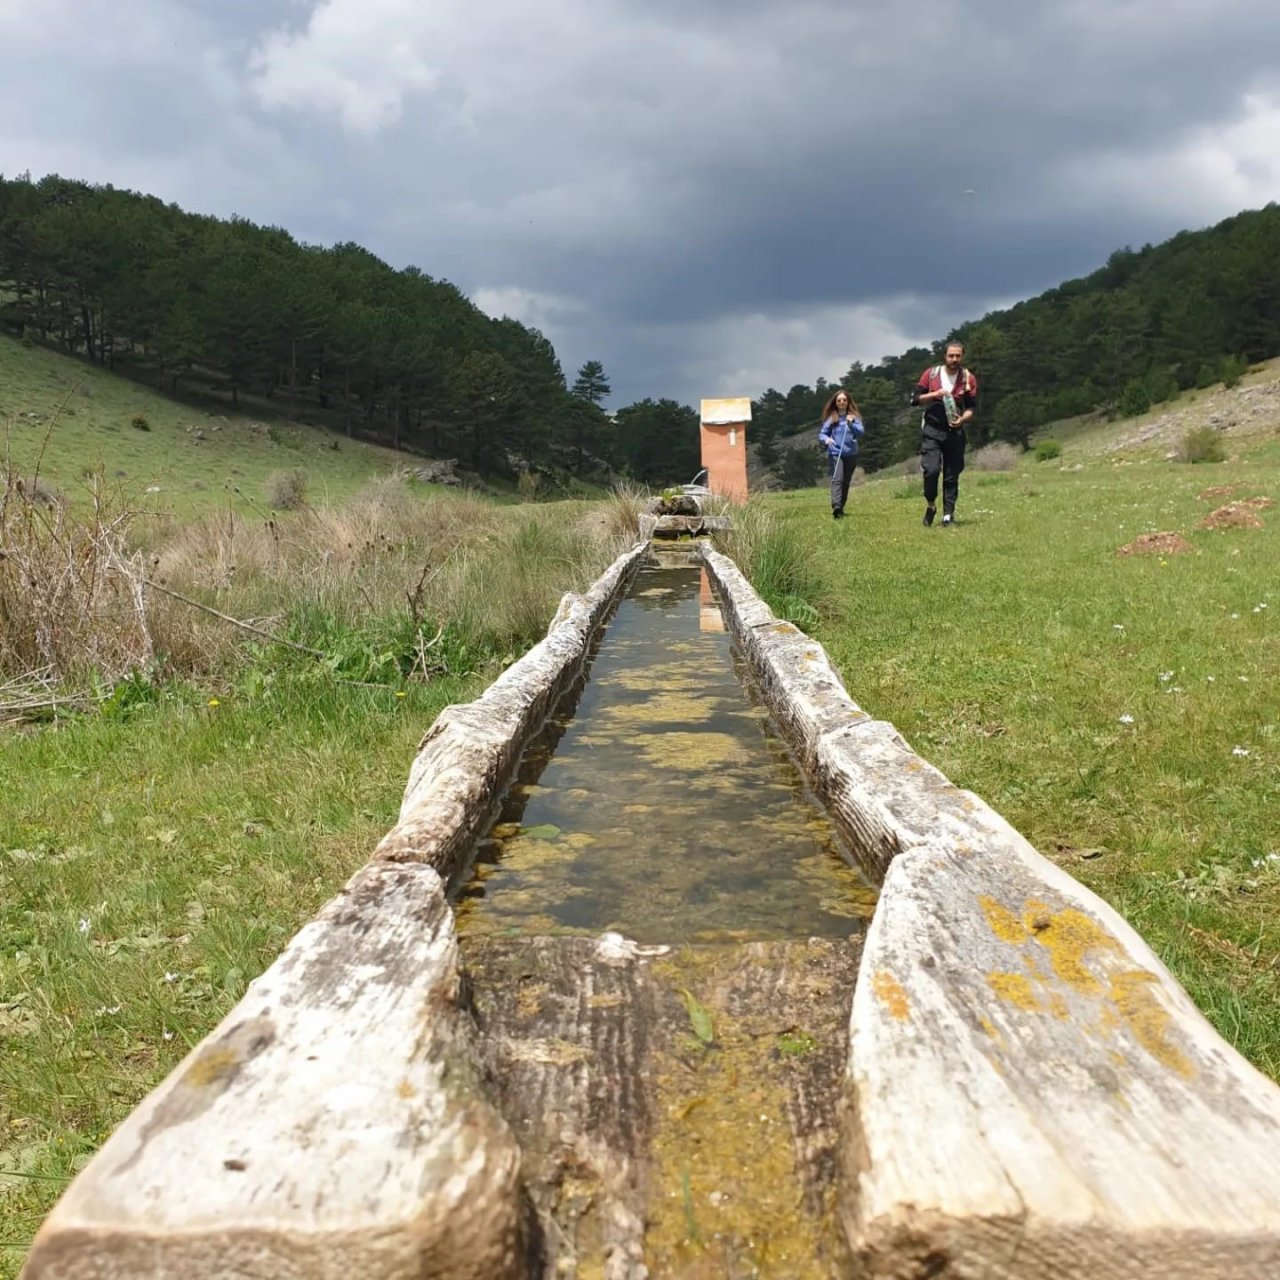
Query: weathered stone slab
pixel 469 755
pixel 1034 1095
pixel 567 1031
pixel 803 690
pixel 636 1132
pixel 329 1127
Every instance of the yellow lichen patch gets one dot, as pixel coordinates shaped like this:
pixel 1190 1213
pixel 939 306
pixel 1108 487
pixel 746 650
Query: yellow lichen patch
pixel 992 1031
pixel 1069 936
pixel 406 1090
pixel 1004 924
pixel 891 993
pixel 212 1067
pixel 1134 994
pixel 1014 989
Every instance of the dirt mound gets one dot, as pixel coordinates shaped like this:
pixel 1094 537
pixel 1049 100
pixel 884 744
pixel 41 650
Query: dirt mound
pixel 1215 492
pixel 1155 544
pixel 1237 515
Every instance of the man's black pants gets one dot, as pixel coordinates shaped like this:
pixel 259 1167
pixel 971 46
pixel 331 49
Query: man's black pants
pixel 945 458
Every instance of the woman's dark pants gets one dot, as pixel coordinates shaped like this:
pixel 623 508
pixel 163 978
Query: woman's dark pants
pixel 841 475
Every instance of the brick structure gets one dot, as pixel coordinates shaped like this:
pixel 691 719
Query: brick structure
pixel 724 446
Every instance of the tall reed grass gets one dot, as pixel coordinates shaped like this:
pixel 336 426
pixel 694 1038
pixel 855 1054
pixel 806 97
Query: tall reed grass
pixel 91 596
pixel 779 562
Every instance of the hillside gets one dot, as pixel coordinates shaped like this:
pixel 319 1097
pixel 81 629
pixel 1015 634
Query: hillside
pixel 64 417
pixel 199 305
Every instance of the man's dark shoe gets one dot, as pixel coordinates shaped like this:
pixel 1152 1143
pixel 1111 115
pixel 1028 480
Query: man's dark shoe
pixel 948 521
pixel 929 513
pixel 837 513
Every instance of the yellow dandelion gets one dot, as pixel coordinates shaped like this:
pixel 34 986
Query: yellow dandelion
pixel 400 693
pixel 213 702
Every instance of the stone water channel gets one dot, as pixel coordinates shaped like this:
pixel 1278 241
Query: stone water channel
pixel 661 931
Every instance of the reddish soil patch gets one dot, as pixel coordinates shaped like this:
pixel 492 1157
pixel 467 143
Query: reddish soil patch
pixel 1237 515
pixel 1155 544
pixel 1215 492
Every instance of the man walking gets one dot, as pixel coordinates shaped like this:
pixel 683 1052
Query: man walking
pixel 949 394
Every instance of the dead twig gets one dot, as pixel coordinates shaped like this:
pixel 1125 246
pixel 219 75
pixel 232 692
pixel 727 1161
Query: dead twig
pixel 427 577
pixel 423 646
pixel 235 622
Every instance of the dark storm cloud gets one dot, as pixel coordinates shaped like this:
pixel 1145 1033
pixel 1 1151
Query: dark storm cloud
pixel 708 196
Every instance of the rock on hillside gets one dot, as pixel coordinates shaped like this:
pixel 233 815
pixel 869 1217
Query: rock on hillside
pixel 1245 411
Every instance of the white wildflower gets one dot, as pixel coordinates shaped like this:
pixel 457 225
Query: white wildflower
pixel 1126 718
pixel 171 977
pixel 1239 751
pixel 83 926
pixel 166 1035
pixel 1117 626
pixel 1166 676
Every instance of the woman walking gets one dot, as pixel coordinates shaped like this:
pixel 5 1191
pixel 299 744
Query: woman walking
pixel 839 433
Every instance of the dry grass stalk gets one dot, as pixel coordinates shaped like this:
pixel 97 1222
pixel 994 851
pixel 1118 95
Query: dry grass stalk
pixel 77 595
pixel 71 588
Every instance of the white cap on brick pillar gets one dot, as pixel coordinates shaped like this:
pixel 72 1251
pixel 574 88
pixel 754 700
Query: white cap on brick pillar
pixel 724 445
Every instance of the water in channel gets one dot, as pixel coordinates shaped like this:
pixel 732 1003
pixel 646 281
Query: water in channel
pixel 659 803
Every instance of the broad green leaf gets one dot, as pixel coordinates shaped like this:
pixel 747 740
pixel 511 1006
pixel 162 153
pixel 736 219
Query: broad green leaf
pixel 547 831
pixel 699 1018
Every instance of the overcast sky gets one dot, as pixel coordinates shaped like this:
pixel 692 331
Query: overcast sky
pixel 710 196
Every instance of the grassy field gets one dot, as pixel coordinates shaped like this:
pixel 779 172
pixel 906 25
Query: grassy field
pixel 190 460
pixel 1122 710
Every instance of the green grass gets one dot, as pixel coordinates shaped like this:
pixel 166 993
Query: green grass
pixel 169 467
pixel 1098 701
pixel 149 868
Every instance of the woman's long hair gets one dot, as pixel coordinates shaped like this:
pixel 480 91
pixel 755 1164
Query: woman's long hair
pixel 830 411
